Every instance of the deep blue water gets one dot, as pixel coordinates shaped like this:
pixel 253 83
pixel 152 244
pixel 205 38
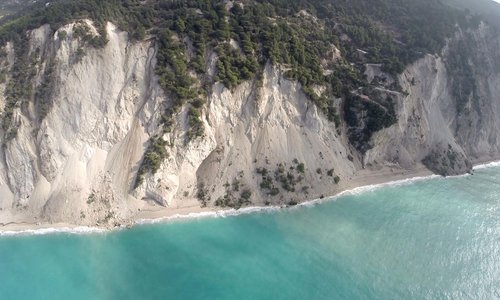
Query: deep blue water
pixel 432 239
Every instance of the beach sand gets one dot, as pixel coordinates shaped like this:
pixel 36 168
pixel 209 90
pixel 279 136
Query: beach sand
pixel 362 180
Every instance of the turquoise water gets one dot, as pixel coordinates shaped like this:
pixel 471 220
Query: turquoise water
pixel 433 239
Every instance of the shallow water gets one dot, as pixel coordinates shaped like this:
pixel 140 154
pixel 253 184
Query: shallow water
pixel 432 239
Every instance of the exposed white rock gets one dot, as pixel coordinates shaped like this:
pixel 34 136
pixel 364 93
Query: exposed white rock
pixel 79 164
pixel 93 137
pixel 428 120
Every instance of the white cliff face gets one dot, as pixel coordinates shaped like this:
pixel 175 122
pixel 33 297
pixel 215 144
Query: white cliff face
pixel 259 128
pixel 246 129
pixel 477 131
pixel 429 124
pixel 93 137
pixel 78 164
pixel 423 116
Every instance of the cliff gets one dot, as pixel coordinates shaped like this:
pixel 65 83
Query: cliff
pixel 80 140
pixel 441 122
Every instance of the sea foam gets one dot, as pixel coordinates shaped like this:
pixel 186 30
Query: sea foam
pixel 52 230
pixel 369 188
pixel 488 165
pixel 210 214
pixel 242 211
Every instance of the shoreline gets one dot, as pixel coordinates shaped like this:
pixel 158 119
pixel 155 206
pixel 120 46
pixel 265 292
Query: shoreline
pixel 363 182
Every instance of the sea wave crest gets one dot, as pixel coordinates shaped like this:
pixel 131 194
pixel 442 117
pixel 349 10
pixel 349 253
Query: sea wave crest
pixel 488 165
pixel 369 188
pixel 52 230
pixel 235 212
pixel 210 214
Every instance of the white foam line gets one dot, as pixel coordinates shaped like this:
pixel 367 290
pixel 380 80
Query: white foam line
pixel 210 214
pixel 261 209
pixel 369 188
pixel 488 165
pixel 52 230
pixel 234 212
pixel 407 181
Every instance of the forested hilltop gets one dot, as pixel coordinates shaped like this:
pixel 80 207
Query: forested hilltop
pixel 489 9
pixel 8 7
pixel 325 45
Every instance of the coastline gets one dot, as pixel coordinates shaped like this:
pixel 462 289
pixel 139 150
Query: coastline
pixel 363 181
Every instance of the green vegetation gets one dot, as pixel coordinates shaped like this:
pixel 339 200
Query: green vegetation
pixel 83 32
pixel 10 7
pixel 128 15
pixel 91 199
pixel 62 35
pixel 366 115
pixel 287 179
pixel 446 161
pixel 305 189
pixel 299 36
pixel 19 89
pixel 202 195
pixel 80 53
pixel 489 10
pixel 233 197
pixel 246 194
pixel 43 94
pixel 155 154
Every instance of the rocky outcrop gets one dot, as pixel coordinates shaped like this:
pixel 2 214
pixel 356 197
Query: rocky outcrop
pixel 431 126
pixel 263 143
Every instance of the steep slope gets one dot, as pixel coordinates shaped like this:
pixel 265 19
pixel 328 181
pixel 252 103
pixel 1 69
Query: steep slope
pixel 87 116
pixel 79 163
pixel 89 142
pixel 441 121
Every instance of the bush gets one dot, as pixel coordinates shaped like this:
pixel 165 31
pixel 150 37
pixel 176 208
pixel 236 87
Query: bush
pixel 155 154
pixel 61 35
pixel 395 34
pixel 91 199
pixel 274 192
pixel 80 53
pixel 246 194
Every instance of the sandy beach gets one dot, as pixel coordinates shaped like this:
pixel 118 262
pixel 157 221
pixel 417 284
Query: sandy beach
pixel 363 178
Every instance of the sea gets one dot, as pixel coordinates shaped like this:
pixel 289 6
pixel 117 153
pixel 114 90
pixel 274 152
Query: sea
pixel 425 238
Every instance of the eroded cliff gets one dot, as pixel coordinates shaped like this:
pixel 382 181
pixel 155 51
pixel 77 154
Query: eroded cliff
pixel 79 142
